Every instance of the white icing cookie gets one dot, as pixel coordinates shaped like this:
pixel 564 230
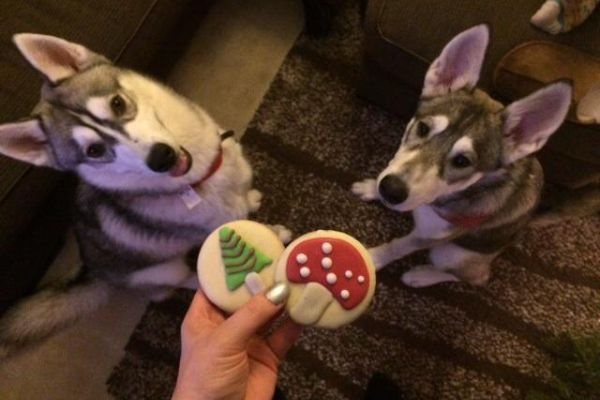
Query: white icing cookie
pixel 331 278
pixel 236 261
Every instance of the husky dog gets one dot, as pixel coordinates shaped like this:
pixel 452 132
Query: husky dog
pixel 464 168
pixel 156 176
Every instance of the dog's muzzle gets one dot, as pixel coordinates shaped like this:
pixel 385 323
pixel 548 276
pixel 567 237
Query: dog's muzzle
pixel 393 190
pixel 163 158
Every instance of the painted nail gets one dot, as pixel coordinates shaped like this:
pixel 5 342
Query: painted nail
pixel 278 294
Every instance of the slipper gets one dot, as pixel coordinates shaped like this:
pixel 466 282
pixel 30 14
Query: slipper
pixel 532 65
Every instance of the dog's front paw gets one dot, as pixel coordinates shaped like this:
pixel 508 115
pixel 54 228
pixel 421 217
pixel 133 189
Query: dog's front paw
pixel 426 275
pixel 379 256
pixel 284 234
pixel 254 200
pixel 366 189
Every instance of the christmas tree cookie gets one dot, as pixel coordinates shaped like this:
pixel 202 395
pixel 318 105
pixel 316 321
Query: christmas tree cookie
pixel 239 258
pixel 236 262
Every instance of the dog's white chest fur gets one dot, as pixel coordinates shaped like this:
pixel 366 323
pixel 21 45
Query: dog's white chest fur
pixel 428 224
pixel 223 198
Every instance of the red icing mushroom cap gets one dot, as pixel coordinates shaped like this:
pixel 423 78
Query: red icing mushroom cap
pixel 335 264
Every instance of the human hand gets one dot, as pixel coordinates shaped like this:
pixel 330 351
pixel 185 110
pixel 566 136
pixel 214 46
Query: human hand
pixel 226 358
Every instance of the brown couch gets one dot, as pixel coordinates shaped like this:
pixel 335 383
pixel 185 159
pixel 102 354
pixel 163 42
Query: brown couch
pixel 403 37
pixel 34 202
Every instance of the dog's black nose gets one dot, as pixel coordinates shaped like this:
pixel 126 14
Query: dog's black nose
pixel 393 189
pixel 162 157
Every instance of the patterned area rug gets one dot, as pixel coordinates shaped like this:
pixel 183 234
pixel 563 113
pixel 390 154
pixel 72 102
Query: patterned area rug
pixel 311 138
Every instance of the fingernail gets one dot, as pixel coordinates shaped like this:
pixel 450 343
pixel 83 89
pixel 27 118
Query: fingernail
pixel 278 294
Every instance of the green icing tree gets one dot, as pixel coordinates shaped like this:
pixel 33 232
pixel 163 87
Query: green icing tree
pixel 239 258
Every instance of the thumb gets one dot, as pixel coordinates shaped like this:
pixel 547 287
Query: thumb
pixel 238 329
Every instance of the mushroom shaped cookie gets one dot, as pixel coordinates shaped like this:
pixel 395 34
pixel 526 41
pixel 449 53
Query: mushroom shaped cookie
pixel 331 278
pixel 236 262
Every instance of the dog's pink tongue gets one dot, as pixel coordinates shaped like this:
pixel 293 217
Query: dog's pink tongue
pixel 181 166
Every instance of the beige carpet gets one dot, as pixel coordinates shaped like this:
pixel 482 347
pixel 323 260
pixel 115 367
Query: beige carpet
pixel 310 139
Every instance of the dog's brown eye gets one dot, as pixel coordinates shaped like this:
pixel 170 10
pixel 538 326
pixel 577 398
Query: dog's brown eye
pixel 96 150
pixel 460 161
pixel 422 129
pixel 118 105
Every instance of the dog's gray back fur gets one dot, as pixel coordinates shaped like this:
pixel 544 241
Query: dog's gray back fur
pixel 105 255
pixel 519 187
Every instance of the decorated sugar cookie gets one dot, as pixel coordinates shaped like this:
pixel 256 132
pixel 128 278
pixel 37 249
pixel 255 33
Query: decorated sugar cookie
pixel 331 278
pixel 237 261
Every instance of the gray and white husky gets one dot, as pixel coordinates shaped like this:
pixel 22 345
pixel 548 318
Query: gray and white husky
pixel 156 176
pixel 464 168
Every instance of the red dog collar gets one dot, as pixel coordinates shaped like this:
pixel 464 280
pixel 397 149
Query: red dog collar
pixel 212 170
pixel 465 221
pixel 218 161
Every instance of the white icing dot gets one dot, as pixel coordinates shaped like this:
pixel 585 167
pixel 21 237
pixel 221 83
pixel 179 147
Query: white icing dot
pixel 301 258
pixel 348 274
pixel 331 278
pixel 345 294
pixel 326 247
pixel 361 279
pixel 304 272
pixel 326 262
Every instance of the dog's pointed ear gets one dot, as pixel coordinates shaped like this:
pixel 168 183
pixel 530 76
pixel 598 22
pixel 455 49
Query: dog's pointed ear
pixel 459 64
pixel 54 57
pixel 26 141
pixel 529 122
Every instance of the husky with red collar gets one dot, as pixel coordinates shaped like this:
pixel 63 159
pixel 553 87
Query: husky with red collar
pixel 157 175
pixel 464 168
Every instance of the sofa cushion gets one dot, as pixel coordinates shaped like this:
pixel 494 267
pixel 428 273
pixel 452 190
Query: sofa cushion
pixel 418 30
